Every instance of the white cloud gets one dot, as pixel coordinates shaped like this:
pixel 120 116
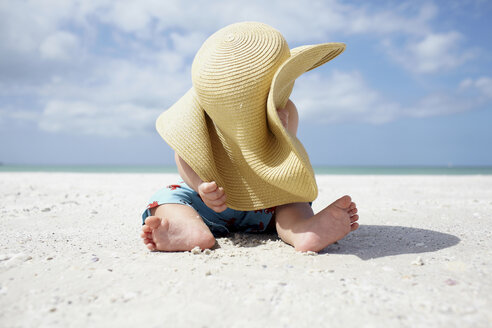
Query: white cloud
pixel 341 97
pixel 483 85
pixel 136 57
pixel 60 45
pixel 119 98
pixel 390 21
pixel 468 95
pixel 87 118
pixel 437 104
pixel 435 52
pixel 188 44
pixel 170 61
pixel 22 115
pixel 346 97
pixel 129 16
pixel 406 26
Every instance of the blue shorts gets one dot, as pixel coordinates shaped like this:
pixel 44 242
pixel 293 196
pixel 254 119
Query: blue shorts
pixel 219 223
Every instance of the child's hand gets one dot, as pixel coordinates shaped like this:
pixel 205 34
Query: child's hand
pixel 213 196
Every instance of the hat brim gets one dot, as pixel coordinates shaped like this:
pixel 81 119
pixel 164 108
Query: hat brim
pixel 184 127
pixel 302 59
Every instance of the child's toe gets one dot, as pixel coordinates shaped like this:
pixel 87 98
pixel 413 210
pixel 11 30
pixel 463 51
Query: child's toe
pixel 152 222
pixel 343 202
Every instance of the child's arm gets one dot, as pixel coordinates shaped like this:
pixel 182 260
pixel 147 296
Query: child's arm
pixel 212 195
pixel 289 117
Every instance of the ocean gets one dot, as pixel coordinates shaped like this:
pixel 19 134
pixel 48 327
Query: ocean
pixel 333 170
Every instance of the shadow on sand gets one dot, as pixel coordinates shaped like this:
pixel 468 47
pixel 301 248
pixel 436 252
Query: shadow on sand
pixel 369 241
pixel 374 241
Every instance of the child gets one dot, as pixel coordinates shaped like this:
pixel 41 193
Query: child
pixel 234 136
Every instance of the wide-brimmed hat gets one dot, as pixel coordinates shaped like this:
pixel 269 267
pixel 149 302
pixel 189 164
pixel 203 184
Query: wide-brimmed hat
pixel 226 127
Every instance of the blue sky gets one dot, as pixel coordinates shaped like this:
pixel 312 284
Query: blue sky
pixel 82 82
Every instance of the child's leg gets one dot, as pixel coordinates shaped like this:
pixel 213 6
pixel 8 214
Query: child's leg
pixel 176 227
pixel 298 226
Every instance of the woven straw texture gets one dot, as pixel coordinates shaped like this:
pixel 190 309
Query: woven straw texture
pixel 227 128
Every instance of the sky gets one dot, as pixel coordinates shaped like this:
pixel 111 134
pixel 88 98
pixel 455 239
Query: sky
pixel 82 82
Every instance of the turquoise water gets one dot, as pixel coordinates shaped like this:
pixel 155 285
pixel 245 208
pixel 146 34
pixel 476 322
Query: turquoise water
pixel 337 170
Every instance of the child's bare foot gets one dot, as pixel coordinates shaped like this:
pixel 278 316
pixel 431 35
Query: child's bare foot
pixel 182 234
pixel 328 226
pixel 161 229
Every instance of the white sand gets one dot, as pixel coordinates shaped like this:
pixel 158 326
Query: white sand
pixel 71 256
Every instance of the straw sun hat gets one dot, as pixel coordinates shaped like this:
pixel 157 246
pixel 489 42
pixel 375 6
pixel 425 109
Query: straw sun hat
pixel 226 127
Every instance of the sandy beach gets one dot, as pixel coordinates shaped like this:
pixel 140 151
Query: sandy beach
pixel 71 256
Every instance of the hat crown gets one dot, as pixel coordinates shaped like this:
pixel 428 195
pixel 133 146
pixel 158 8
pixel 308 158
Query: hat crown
pixel 233 70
